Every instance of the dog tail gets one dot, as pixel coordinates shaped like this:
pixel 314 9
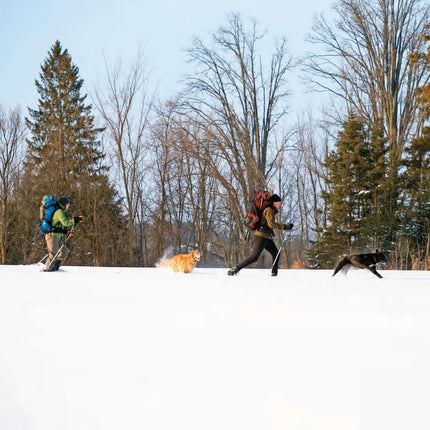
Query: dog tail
pixel 166 256
pixel 341 264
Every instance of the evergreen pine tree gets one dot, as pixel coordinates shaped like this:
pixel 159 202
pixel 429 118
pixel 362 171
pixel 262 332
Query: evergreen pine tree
pixel 356 178
pixel 64 155
pixel 62 130
pixel 416 179
pixel 379 222
pixel 417 188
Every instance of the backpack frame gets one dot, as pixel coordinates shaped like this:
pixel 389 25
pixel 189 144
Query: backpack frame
pixel 255 210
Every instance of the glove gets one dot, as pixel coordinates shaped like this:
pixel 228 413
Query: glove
pixel 78 219
pixel 70 233
pixel 287 226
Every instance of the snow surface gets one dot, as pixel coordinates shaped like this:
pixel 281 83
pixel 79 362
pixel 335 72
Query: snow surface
pixel 143 348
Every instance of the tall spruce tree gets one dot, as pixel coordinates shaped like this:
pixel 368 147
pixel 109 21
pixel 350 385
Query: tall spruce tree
pixel 64 155
pixel 416 178
pixel 416 211
pixel 417 181
pixel 62 130
pixel 356 193
pixel 379 223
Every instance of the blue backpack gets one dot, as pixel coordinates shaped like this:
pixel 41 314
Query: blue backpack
pixel 48 207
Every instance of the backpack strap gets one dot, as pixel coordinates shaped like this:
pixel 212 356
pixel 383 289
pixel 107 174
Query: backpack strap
pixel 57 229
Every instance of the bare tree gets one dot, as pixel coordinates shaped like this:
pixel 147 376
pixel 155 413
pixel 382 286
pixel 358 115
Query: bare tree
pixel 363 56
pixel 239 102
pixel 301 179
pixel 310 172
pixel 203 199
pixel 185 194
pixel 124 107
pixel 164 169
pixel 12 132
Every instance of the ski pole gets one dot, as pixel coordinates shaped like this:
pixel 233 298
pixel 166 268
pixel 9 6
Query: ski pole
pixel 72 230
pixel 54 259
pixel 43 259
pixel 279 251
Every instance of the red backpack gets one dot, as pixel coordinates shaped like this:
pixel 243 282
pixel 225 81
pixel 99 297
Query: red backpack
pixel 255 210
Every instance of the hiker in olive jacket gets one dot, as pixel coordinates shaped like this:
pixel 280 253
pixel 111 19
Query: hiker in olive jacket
pixel 263 237
pixel 61 225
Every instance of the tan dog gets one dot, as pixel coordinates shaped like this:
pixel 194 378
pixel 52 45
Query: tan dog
pixel 182 262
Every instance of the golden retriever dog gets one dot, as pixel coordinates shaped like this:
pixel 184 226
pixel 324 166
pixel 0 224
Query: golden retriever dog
pixel 183 263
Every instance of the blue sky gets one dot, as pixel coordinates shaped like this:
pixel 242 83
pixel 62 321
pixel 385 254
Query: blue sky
pixel 92 30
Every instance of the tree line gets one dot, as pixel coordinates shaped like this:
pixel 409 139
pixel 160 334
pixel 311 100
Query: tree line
pixel 158 176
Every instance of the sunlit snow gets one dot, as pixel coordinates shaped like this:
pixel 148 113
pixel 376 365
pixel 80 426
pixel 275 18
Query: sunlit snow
pixel 143 348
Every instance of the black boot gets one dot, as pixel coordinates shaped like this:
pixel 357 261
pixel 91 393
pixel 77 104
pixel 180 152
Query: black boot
pixel 233 272
pixel 56 265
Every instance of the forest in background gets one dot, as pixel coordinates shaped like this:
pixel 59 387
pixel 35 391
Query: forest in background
pixel 155 176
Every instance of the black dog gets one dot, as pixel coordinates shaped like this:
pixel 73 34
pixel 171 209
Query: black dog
pixel 362 261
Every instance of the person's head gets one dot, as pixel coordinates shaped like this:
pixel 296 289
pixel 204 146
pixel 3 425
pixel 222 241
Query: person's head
pixel 276 201
pixel 64 203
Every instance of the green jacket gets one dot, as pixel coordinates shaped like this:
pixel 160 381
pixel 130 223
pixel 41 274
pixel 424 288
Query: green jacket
pixel 268 223
pixel 60 220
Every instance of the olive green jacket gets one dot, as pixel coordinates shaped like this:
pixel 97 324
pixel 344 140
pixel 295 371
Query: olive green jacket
pixel 268 223
pixel 60 220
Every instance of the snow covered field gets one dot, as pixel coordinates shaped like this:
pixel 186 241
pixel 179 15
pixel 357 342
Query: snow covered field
pixel 123 348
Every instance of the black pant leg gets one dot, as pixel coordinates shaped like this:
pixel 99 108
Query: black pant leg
pixel 271 247
pixel 260 244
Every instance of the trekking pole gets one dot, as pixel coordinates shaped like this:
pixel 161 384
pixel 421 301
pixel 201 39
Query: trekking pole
pixel 54 259
pixel 46 256
pixel 280 248
pixel 43 259
pixel 69 235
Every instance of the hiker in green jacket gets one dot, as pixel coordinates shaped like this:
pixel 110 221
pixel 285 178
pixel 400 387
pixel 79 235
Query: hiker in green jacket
pixel 61 226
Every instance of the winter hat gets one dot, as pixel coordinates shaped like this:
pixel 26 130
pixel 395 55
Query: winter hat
pixel 63 201
pixel 275 198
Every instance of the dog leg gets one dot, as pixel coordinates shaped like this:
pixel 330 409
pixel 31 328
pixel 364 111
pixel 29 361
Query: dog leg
pixel 373 270
pixel 340 265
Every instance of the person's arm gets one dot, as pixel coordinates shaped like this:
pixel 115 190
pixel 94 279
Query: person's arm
pixel 61 218
pixel 271 221
pixel 272 224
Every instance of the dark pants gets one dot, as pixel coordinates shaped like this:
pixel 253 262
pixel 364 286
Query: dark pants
pixel 260 244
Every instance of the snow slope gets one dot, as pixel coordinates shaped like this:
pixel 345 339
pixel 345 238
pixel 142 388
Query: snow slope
pixel 143 348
